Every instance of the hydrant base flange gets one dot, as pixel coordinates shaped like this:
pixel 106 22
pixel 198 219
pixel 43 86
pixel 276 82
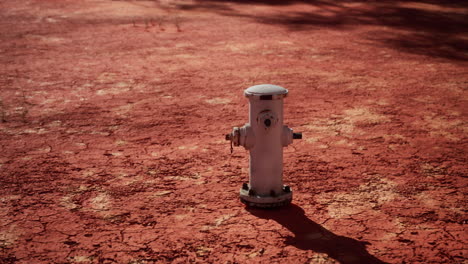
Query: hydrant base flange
pixel 277 200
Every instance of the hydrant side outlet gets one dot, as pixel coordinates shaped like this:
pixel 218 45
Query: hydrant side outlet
pixel 265 136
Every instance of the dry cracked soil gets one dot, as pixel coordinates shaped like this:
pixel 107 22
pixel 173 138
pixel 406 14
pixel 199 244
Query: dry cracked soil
pixel 113 115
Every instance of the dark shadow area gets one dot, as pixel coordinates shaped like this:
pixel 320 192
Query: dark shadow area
pixel 428 27
pixel 309 235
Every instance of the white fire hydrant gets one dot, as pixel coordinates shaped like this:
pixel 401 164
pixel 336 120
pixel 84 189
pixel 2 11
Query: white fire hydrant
pixel 265 136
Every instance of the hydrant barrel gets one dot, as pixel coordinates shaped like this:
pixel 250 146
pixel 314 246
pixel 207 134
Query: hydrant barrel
pixel 266 120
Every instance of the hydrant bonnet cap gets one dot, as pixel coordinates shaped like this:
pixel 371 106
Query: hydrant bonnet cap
pixel 266 89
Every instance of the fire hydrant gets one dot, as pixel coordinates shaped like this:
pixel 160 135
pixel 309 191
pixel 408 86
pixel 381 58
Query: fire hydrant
pixel 264 136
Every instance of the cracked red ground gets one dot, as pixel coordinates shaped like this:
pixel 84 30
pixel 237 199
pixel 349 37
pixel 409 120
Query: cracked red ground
pixel 113 115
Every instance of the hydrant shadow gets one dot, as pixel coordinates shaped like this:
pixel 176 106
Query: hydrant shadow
pixel 309 235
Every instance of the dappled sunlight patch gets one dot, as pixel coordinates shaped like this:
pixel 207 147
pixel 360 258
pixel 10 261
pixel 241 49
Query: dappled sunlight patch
pixel 426 99
pixel 313 139
pixel 203 251
pixel 81 145
pixel 372 194
pixel 238 47
pixel 38 131
pixel 217 222
pixel 322 258
pixel 46 39
pixel 443 126
pixel 428 200
pixel 180 217
pixel 383 102
pixel 125 179
pixel 218 100
pixel 8 198
pixel 107 77
pixel 429 170
pixel 113 86
pixel 343 143
pixel 120 142
pixel 42 150
pixel 89 172
pixel 364 116
pixel 101 202
pixel 323 146
pixel 152 172
pixel 441 201
pixel 220 220
pixel 329 127
pixel 123 109
pixel 81 259
pixel 55 123
pixel 67 202
pixel 193 147
pixel 8 235
pixel 442 122
pixel 182 178
pixel 161 193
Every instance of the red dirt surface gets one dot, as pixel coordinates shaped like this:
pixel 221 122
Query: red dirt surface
pixel 113 115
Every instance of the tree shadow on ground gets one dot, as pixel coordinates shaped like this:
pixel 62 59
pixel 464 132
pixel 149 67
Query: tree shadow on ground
pixel 309 235
pixel 428 27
